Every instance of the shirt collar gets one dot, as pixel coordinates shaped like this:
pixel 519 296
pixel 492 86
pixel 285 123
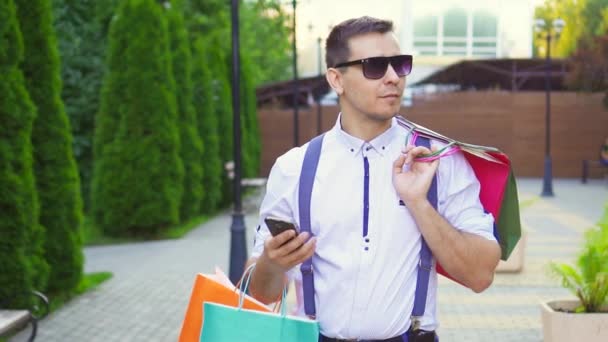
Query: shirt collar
pixel 354 145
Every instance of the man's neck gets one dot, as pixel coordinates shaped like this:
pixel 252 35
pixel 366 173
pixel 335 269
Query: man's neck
pixel 363 128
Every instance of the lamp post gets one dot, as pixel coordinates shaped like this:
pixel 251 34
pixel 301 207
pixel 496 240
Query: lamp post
pixel 296 128
pixel 550 32
pixel 238 247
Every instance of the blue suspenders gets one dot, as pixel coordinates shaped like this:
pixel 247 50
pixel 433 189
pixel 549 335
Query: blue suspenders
pixel 307 177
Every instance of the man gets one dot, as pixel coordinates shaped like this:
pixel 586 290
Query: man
pixel 369 207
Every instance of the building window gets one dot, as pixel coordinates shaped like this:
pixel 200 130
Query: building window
pixel 457 32
pixel 425 35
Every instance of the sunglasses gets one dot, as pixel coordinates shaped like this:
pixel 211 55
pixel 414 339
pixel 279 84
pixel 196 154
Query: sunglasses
pixel 375 67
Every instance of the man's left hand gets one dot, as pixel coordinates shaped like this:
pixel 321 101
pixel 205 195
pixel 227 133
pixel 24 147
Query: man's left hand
pixel 413 181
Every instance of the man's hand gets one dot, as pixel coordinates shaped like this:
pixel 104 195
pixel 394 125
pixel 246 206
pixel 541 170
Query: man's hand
pixel 281 253
pixel 413 184
pixel 284 251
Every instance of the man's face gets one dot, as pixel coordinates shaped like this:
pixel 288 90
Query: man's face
pixel 367 98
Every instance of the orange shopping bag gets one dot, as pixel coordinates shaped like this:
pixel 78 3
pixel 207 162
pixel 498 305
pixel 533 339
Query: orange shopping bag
pixel 213 288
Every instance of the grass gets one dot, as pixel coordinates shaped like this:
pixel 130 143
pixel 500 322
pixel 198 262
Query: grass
pixel 93 236
pixel 88 282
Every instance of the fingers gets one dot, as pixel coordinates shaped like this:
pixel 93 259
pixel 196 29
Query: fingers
pixel 413 152
pixel 286 251
pixel 279 240
pixel 398 164
pixel 304 252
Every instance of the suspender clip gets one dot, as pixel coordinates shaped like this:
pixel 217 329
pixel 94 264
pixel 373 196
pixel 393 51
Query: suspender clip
pixel 424 266
pixel 415 323
pixel 306 269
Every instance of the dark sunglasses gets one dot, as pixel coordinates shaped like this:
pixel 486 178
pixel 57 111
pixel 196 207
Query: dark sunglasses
pixel 375 67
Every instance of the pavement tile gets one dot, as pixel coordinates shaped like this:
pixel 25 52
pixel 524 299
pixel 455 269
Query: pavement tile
pixel 148 294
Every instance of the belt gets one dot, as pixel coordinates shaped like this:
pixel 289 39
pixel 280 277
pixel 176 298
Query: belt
pixel 331 339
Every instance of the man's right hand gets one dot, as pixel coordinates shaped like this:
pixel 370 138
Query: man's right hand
pixel 281 253
pixel 286 250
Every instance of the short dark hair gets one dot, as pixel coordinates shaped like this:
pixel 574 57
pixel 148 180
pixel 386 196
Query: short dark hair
pixel 336 45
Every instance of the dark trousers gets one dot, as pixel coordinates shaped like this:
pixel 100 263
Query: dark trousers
pixel 418 336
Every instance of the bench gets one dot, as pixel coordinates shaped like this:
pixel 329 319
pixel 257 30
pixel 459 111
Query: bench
pixel 245 182
pixel 12 320
pixel 587 164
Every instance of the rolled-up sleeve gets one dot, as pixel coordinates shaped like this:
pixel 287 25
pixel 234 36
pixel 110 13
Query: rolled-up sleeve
pixel 459 200
pixel 279 200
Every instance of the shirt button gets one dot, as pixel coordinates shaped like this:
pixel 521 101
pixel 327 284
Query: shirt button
pixel 367 248
pixel 366 240
pixel 352 150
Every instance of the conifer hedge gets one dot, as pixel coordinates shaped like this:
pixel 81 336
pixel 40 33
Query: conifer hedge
pixel 206 112
pixel 20 232
pixel 191 146
pixel 55 168
pixel 250 132
pixel 138 174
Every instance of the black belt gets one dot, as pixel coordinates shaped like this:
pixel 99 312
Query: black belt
pixel 417 336
pixel 331 339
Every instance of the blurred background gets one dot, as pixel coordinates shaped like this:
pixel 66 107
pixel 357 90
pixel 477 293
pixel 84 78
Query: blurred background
pixel 116 124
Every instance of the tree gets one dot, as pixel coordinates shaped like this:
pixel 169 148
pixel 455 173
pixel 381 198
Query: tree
pixel 138 174
pixel 21 236
pixel 583 19
pixel 55 169
pixel 81 27
pixel 589 67
pixel 204 95
pixel 191 146
pixel 250 133
pixel 265 39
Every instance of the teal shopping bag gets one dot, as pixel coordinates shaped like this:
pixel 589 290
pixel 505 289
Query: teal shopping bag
pixel 224 323
pixel 229 324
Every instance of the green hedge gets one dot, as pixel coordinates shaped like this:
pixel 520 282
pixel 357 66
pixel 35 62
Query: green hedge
pixel 18 198
pixel 55 169
pixel 206 112
pixel 138 174
pixel 191 146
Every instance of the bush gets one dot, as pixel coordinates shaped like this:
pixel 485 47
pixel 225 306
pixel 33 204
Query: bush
pixel 20 232
pixel 138 174
pixel 55 169
pixel 588 280
pixel 191 146
pixel 206 112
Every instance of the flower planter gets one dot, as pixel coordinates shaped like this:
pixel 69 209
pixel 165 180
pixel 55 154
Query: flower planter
pixel 515 263
pixel 561 326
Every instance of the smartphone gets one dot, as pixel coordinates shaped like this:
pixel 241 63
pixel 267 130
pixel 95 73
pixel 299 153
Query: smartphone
pixel 277 226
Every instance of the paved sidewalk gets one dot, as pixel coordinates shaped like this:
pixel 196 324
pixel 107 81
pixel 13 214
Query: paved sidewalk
pixel 147 297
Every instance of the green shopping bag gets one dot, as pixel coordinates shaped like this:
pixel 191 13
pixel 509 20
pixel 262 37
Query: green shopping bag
pixel 224 323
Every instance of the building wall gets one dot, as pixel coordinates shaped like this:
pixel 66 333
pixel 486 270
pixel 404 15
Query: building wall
pixel 512 122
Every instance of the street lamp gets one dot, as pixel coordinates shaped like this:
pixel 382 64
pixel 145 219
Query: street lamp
pixel 238 247
pixel 550 31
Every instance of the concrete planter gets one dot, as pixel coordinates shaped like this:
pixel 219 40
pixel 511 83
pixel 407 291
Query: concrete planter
pixel 562 326
pixel 515 263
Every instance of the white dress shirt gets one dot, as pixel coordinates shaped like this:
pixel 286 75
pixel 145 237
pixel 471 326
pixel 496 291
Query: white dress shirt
pixel 365 284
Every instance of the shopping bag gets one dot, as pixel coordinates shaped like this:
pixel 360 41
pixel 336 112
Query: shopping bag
pixel 498 190
pixel 211 288
pixel 225 323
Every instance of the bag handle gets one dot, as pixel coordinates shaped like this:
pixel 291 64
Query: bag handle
pixel 243 286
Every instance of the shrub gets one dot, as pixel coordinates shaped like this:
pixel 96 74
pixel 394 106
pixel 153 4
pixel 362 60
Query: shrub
pixel 588 279
pixel 20 232
pixel 138 174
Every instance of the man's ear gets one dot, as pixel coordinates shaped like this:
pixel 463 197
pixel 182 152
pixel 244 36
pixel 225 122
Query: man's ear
pixel 334 78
